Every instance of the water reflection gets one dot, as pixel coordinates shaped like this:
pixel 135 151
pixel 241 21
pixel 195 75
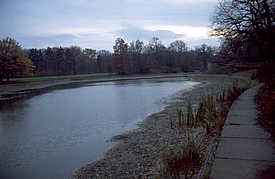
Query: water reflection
pixel 51 134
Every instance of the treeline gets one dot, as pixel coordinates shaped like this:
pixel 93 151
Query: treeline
pixel 68 60
pixel 127 58
pixel 139 58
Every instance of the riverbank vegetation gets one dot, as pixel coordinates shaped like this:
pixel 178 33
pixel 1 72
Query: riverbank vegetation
pixel 184 159
pixel 266 99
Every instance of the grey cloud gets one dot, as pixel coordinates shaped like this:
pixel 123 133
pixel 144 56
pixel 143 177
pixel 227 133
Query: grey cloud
pixel 44 41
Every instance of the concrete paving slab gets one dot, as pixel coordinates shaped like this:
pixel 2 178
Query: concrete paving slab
pixel 238 119
pixel 243 112
pixel 242 169
pixel 248 149
pixel 243 104
pixel 245 131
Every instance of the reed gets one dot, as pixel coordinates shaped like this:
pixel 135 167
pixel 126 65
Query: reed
pixel 190 115
pixel 179 112
pixel 178 158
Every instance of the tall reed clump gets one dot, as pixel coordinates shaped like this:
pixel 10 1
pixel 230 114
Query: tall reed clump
pixel 205 114
pixel 178 159
pixel 190 116
pixel 180 117
pixel 179 112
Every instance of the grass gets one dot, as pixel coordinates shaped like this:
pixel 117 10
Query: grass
pixel 233 70
pixel 246 73
pixel 51 78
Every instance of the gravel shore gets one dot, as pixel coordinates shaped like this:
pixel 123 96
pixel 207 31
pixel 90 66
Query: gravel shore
pixel 137 153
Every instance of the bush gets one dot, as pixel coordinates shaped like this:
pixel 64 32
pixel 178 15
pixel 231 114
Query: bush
pixel 185 68
pixel 143 69
pixel 122 72
pixel 266 105
pixel 266 74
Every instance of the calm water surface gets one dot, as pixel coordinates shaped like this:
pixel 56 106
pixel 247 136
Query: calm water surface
pixel 52 134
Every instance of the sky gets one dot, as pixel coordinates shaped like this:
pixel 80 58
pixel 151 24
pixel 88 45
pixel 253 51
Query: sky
pixel 96 24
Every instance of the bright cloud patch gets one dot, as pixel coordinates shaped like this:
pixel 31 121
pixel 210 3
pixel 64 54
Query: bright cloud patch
pixel 135 33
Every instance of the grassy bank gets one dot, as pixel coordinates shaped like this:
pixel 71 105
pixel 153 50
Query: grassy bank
pixel 51 78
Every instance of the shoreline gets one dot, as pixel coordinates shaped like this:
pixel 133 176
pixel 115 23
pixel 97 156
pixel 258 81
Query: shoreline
pixel 137 153
pixel 15 91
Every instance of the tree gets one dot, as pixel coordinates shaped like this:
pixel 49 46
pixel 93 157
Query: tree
pixel 49 59
pixel 106 57
pixel 109 68
pixel 60 64
pixel 69 60
pixel 120 55
pixel 251 23
pixel 83 63
pixel 92 55
pixel 156 48
pixel 99 63
pixel 135 50
pixel 177 53
pixel 204 54
pixel 37 58
pixel 13 61
pixel 75 51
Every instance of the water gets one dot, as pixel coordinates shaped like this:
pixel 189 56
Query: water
pixel 51 134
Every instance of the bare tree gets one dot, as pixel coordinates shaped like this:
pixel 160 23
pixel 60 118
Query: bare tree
pixel 120 59
pixel 251 22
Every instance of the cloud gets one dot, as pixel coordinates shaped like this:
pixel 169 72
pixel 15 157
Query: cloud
pixel 97 23
pixel 134 33
pixel 45 41
pixel 188 1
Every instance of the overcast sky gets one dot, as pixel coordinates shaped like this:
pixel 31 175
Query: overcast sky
pixel 97 24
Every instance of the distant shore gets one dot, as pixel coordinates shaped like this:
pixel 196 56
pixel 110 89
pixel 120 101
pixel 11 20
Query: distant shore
pixel 16 90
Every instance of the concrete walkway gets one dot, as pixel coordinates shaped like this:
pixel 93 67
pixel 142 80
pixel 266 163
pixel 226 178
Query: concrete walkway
pixel 245 150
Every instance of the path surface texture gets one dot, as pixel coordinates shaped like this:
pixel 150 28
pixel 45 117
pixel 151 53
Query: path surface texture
pixel 245 149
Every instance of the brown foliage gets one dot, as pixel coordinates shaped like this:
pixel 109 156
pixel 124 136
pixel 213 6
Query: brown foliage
pixel 266 106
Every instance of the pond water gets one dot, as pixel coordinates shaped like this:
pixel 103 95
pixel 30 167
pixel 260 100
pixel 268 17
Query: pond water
pixel 51 134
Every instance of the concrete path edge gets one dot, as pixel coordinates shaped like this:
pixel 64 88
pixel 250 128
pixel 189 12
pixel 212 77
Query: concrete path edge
pixel 245 149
